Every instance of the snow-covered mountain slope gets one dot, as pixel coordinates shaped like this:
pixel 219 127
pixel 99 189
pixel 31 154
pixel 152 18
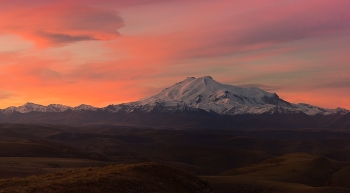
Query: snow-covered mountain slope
pixel 194 94
pixel 31 107
pixel 84 107
pixel 207 94
pixel 314 110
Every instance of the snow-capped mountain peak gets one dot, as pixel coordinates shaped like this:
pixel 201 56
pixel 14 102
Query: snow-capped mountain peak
pixel 27 107
pixel 57 108
pixel 314 110
pixel 207 94
pixel 84 107
pixel 32 107
pixel 193 94
pixel 191 90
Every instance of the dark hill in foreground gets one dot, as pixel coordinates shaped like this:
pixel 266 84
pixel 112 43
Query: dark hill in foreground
pixel 238 160
pixel 296 172
pixel 141 178
pixel 205 152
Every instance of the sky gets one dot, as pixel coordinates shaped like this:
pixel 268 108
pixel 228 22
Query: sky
pixel 102 52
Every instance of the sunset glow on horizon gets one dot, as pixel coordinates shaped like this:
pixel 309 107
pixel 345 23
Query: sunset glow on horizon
pixel 109 52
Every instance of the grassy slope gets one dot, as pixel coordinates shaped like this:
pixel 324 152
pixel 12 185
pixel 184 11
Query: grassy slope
pixel 203 152
pixel 297 172
pixel 26 166
pixel 141 178
pixel 238 184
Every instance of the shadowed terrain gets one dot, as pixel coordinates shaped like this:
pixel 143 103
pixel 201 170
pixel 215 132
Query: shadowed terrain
pixel 255 160
pixel 296 172
pixel 146 178
pixel 195 118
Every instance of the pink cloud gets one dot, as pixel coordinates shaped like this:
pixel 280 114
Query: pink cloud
pixel 61 23
pixel 274 44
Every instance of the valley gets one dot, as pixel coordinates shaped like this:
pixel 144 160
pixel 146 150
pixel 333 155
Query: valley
pixel 270 160
pixel 209 136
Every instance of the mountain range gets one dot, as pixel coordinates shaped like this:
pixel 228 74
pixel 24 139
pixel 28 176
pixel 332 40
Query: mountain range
pixel 193 102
